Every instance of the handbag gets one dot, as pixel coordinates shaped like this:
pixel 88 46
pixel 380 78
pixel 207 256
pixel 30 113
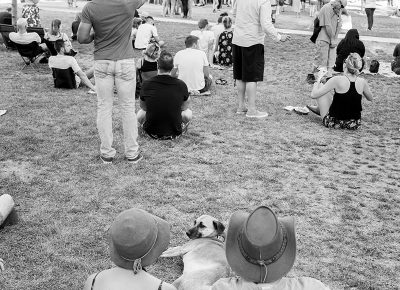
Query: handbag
pixel 316 31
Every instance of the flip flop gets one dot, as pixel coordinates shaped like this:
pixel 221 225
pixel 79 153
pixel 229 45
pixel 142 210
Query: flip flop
pixel 221 82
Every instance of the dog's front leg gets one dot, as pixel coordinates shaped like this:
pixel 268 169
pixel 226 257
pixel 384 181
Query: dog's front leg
pixel 173 252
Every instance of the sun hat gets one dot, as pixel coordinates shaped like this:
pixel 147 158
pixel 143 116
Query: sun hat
pixel 137 238
pixel 260 247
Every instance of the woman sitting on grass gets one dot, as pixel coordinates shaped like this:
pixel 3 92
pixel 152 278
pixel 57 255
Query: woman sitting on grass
pixel 344 109
pixel 56 34
pixel 351 43
pixel 137 239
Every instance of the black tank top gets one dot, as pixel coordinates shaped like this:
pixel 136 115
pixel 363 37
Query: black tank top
pixel 348 105
pixel 148 66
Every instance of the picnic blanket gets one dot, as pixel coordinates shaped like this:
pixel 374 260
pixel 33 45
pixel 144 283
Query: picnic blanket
pixel 385 69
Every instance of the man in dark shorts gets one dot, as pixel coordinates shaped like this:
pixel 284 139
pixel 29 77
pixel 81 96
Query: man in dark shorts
pixel 164 102
pixel 253 20
pixel 112 21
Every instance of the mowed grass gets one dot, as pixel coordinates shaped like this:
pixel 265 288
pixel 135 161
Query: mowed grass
pixel 341 186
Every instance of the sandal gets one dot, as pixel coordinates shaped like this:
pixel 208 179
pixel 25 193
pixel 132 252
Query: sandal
pixel 221 82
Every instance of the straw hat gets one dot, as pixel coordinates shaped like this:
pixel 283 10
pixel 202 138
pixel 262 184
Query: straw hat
pixel 137 239
pixel 260 247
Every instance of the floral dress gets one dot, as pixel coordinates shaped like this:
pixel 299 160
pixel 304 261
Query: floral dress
pixel 31 12
pixel 225 48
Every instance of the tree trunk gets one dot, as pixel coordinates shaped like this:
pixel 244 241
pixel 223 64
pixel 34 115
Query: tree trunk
pixel 14 12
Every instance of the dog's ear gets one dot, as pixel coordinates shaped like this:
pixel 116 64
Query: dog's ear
pixel 219 227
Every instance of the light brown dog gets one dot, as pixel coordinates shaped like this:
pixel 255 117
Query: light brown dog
pixel 203 256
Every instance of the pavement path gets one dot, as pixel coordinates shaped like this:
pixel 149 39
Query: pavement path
pixel 61 6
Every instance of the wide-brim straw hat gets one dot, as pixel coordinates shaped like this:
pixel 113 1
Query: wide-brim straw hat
pixel 137 238
pixel 260 247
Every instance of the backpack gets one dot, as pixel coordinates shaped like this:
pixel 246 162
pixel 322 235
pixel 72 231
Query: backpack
pixel 374 66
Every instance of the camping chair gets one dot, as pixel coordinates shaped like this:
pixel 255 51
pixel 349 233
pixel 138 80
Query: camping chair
pixel 29 53
pixel 5 30
pixel 38 30
pixel 64 78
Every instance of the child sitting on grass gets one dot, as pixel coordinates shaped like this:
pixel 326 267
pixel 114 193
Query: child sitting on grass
pixel 206 39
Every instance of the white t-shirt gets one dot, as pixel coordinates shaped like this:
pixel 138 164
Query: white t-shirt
pixel 24 38
pixel 190 63
pixel 300 283
pixel 206 39
pixel 217 30
pixel 145 32
pixel 64 62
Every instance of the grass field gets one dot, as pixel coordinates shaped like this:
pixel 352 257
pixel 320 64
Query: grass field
pixel 342 187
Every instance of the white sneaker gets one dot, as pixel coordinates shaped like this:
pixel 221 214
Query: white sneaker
pixel 206 93
pixel 257 114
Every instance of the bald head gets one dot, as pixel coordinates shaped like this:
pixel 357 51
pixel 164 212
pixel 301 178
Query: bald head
pixel 22 23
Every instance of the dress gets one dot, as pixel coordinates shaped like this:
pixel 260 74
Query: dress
pixel 31 12
pixel 225 48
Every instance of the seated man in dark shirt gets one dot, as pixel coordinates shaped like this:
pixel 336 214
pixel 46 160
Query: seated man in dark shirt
pixel 164 102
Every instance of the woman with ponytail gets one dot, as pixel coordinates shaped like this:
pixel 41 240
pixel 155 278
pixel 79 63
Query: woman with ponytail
pixel 339 99
pixel 137 239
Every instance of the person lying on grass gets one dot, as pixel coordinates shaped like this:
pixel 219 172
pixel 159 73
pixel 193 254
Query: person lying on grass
pixel 137 239
pixel 339 99
pixel 62 61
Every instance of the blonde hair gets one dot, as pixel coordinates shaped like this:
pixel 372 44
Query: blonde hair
pixel 353 63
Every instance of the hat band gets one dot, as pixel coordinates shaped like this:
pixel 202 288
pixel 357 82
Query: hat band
pixel 264 263
pixel 137 263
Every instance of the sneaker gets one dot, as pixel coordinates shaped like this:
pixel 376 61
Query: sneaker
pixel 206 93
pixel 241 111
pixel 257 114
pixel 106 160
pixel 134 160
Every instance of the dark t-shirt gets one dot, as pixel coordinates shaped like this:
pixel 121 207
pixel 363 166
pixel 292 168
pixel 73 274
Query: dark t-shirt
pixel 112 24
pixel 164 96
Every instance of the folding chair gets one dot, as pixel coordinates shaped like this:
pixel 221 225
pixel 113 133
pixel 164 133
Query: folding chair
pixel 29 53
pixel 50 46
pixel 38 30
pixel 5 30
pixel 64 78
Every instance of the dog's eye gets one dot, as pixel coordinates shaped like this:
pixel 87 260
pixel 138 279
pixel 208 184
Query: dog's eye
pixel 194 222
pixel 201 226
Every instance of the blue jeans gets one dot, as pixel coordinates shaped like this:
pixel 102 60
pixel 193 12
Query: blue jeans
pixel 122 74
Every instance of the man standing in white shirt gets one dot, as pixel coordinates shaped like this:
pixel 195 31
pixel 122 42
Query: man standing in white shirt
pixel 252 21
pixel 192 67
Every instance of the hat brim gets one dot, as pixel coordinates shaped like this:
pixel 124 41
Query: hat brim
pixel 161 244
pixel 249 271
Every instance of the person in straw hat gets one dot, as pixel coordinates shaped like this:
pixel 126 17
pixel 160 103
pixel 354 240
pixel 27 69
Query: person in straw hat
pixel 137 239
pixel 261 249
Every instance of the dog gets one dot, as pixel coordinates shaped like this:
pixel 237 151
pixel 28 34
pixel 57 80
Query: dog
pixel 204 260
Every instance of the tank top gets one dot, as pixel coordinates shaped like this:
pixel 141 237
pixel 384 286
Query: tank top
pixel 94 279
pixel 346 106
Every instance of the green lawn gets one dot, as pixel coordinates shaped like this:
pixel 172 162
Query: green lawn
pixel 342 187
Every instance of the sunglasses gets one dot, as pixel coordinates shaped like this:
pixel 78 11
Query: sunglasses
pixel 341 6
